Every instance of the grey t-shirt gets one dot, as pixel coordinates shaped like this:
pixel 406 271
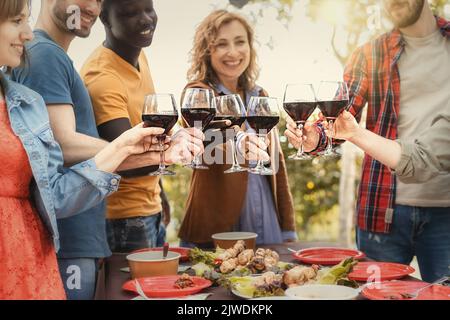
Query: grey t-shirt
pixel 51 73
pixel 424 93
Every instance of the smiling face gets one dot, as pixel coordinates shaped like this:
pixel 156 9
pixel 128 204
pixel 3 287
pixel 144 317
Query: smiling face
pixel 132 22
pixel 64 15
pixel 230 55
pixel 14 32
pixel 404 13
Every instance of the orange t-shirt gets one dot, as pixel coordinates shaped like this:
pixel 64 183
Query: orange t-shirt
pixel 117 90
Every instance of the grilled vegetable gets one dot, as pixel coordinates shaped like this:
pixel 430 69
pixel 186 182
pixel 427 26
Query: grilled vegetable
pixel 339 271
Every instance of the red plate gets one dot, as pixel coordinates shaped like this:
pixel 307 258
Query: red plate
pixel 326 256
pixel 391 290
pixel 183 251
pixel 385 270
pixel 164 286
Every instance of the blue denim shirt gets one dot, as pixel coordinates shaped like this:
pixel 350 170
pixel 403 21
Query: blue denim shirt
pixel 57 192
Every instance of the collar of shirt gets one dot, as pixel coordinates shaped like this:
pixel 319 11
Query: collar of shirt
pixel 396 42
pixel 222 90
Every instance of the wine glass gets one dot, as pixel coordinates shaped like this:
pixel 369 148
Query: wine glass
pixel 230 107
pixel 198 110
pixel 332 98
pixel 299 102
pixel 263 114
pixel 160 110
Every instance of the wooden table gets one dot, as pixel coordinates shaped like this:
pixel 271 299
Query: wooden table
pixel 111 279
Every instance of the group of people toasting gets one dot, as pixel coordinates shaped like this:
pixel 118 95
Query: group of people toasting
pixel 84 152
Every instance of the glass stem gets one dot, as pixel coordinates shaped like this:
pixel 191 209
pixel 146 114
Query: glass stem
pixel 233 150
pixel 260 164
pixel 301 150
pixel 162 160
pixel 330 138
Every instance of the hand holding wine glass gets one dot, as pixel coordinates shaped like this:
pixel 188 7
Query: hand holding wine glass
pixel 185 145
pixel 332 98
pixel 299 103
pixel 345 127
pixel 308 136
pixel 160 111
pixel 263 115
pixel 231 108
pixel 198 110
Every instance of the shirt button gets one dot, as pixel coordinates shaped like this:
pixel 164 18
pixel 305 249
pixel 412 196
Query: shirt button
pixel 114 182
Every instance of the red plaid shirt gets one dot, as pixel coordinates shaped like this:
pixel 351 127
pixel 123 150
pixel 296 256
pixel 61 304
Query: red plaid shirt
pixel 372 76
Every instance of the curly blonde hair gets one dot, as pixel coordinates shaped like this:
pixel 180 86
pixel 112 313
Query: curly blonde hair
pixel 204 42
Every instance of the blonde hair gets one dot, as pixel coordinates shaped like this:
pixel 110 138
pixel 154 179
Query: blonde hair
pixel 204 42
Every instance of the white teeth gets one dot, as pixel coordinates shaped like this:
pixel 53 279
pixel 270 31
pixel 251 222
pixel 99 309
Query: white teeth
pixel 232 64
pixel 146 31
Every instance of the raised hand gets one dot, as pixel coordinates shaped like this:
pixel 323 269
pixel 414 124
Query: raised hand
pixel 345 127
pixel 185 145
pixel 253 148
pixel 138 139
pixel 309 138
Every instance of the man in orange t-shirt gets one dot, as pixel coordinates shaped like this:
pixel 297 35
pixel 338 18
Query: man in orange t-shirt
pixel 118 78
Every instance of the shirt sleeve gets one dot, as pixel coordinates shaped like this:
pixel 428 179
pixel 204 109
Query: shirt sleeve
pixel 49 72
pixel 429 155
pixel 75 189
pixel 108 97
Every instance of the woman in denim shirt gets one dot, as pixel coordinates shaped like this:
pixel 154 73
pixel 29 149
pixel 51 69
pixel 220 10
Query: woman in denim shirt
pixel 34 186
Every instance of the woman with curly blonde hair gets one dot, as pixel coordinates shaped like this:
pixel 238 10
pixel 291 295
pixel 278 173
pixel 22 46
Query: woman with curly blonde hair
pixel 205 42
pixel 223 59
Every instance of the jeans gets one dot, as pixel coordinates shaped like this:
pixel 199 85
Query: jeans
pixel 126 235
pixel 161 239
pixel 423 232
pixel 79 277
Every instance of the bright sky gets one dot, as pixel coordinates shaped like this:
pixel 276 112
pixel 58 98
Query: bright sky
pixel 301 53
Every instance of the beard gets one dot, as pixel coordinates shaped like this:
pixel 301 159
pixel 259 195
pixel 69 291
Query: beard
pixel 69 20
pixel 411 17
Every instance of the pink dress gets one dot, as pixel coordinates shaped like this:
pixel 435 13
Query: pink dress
pixel 28 265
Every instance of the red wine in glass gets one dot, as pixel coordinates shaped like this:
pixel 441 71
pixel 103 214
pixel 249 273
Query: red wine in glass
pixel 299 103
pixel 194 116
pixel 165 121
pixel 260 123
pixel 263 114
pixel 332 98
pixel 160 111
pixel 332 109
pixel 300 111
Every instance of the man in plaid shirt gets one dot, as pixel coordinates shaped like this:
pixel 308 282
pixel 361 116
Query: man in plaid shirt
pixel 404 76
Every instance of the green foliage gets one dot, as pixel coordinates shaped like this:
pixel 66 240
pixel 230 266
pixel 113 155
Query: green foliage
pixel 315 189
